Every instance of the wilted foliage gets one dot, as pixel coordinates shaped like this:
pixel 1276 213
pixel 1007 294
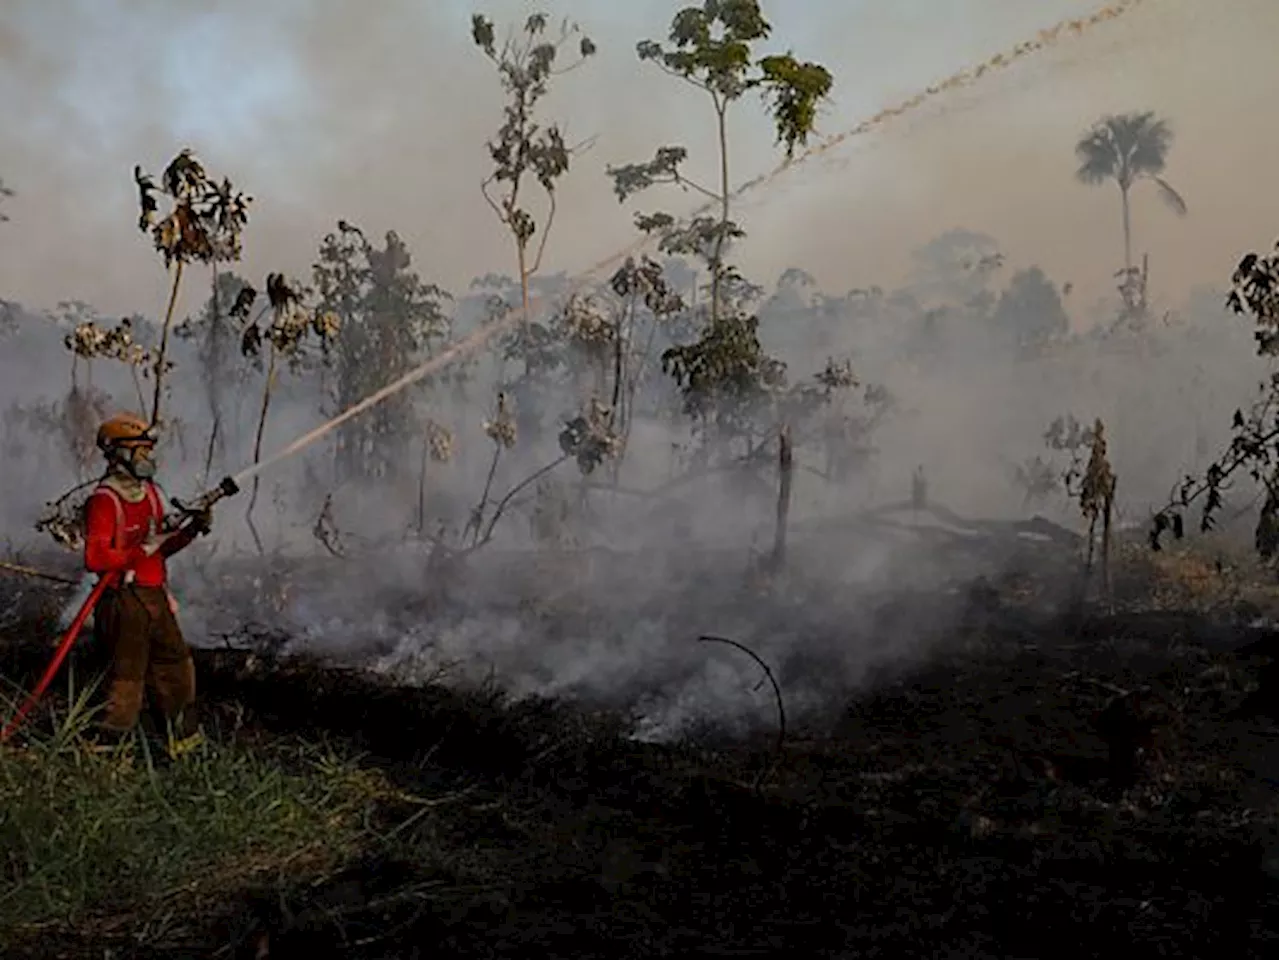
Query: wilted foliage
pixel 439 441
pixel 1254 287
pixel 89 341
pixel 501 428
pixel 524 148
pixel 63 521
pixel 203 225
pixel 1088 478
pixel 1253 443
pixel 293 324
pixel 586 325
pixel 205 219
pixel 1097 483
pixel 643 278
pixel 588 437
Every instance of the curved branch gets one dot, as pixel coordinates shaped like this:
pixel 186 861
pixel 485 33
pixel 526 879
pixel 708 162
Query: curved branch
pixel 546 232
pixel 777 691
pixel 484 192
pixel 502 504
pixel 697 84
pixel 1186 494
pixel 679 180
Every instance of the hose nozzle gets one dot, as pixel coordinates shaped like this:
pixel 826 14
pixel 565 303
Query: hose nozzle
pixel 227 487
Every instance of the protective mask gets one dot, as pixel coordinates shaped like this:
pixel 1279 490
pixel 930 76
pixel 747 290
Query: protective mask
pixel 139 464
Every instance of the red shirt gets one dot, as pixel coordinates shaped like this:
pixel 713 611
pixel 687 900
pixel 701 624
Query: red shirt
pixel 110 546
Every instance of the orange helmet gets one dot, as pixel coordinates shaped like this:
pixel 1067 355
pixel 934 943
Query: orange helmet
pixel 125 430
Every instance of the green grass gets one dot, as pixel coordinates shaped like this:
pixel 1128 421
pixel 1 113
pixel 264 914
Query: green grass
pixel 94 840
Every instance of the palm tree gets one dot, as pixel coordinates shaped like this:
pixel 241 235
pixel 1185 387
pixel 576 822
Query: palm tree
pixel 1127 148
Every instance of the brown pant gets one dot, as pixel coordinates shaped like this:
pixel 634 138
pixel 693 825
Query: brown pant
pixel 136 629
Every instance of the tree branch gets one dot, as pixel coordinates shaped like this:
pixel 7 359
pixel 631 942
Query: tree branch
pixel 484 192
pixel 546 232
pixel 777 695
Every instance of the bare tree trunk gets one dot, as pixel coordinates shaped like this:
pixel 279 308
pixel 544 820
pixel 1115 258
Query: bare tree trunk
pixel 1108 504
pixel 785 469
pixel 722 133
pixel 521 259
pixel 164 343
pixel 477 515
pixel 1128 233
pixel 422 485
pixel 257 448
pixel 212 346
pixel 1142 290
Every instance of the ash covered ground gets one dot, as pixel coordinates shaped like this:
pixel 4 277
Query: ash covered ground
pixel 974 763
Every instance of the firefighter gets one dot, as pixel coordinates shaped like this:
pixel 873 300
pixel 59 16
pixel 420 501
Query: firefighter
pixel 135 622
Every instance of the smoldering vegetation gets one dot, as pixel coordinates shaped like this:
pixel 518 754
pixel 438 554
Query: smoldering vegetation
pixel 598 584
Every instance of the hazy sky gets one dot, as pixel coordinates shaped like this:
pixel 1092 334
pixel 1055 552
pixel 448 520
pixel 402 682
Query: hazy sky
pixel 377 113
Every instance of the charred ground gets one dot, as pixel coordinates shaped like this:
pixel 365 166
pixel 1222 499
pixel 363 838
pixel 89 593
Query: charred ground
pixel 1048 779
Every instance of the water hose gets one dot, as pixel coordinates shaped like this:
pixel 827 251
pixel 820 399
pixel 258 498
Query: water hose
pixel 60 654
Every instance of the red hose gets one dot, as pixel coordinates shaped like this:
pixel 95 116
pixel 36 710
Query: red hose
pixel 60 654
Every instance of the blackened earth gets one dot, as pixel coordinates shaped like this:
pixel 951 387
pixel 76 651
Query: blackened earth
pixel 1087 786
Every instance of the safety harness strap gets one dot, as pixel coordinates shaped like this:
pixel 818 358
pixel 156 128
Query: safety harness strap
pixel 117 535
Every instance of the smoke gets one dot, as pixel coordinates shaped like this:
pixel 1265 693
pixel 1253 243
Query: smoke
pixel 379 116
pixel 326 110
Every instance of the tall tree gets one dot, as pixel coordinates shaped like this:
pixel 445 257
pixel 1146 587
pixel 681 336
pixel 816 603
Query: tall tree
pixel 1030 311
pixel 525 149
pixel 204 225
pixel 710 48
pixel 389 319
pixel 8 310
pixel 1127 148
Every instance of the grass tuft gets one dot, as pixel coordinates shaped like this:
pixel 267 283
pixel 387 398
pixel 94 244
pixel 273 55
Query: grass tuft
pixel 88 835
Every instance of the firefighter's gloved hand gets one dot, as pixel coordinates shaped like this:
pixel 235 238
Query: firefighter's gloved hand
pixel 155 540
pixel 201 521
